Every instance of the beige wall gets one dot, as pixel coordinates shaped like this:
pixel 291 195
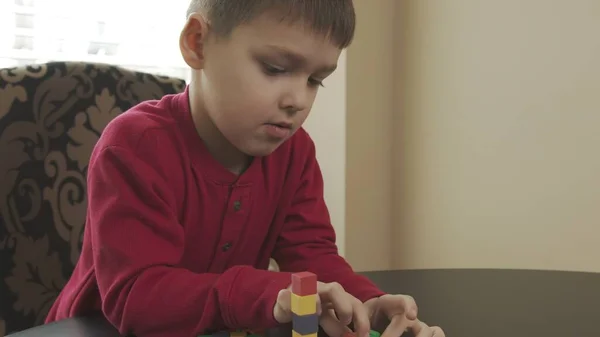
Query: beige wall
pixel 495 130
pixel 370 80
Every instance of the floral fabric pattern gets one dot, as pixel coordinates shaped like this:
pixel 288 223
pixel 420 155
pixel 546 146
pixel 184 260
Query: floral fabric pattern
pixel 51 116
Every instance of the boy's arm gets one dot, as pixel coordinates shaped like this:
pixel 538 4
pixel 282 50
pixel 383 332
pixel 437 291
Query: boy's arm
pixel 138 244
pixel 307 241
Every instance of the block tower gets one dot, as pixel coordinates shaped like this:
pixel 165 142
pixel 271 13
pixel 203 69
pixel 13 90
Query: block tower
pixel 305 321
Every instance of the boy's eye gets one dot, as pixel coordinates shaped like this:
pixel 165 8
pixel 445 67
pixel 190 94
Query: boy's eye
pixel 273 70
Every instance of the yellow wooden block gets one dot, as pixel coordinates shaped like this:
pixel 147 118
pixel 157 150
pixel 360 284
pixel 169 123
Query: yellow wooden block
pixel 237 334
pixel 304 305
pixel 295 334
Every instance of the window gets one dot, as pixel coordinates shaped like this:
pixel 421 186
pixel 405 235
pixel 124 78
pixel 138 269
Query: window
pixel 136 34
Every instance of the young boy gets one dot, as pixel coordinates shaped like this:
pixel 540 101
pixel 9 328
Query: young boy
pixel 189 196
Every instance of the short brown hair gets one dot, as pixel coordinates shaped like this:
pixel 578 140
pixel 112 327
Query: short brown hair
pixel 334 18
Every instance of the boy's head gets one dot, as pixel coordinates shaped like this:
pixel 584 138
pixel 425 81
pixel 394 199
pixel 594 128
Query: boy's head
pixel 257 64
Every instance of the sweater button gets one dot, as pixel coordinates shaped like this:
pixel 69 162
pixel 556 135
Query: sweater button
pixel 237 205
pixel 226 246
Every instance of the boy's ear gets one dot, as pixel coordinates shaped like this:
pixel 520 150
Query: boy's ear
pixel 192 39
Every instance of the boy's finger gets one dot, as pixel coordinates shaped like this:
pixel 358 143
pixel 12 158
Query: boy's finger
pixel 284 299
pixel 283 306
pixel 424 330
pixel 398 325
pixel 361 322
pixel 438 332
pixel 400 304
pixel 411 307
pixel 339 298
pixel 331 325
pixel 319 306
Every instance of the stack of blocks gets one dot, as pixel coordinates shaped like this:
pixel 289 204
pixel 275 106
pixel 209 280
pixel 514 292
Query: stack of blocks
pixel 305 320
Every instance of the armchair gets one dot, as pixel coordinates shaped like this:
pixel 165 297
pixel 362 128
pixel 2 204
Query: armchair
pixel 51 116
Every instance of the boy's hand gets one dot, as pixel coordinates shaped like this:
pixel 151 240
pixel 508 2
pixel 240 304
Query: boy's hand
pixel 395 314
pixel 336 307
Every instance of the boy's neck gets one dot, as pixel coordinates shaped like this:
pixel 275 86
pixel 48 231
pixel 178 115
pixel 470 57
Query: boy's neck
pixel 218 146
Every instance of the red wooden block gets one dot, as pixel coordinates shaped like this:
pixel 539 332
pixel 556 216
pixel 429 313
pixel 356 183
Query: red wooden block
pixel 349 334
pixel 304 283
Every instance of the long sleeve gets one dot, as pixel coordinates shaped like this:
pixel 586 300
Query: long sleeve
pixel 138 242
pixel 307 241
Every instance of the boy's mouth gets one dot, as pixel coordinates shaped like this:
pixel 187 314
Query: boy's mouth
pixel 280 130
pixel 283 125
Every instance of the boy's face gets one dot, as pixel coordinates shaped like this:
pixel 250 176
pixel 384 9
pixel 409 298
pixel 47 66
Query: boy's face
pixel 259 84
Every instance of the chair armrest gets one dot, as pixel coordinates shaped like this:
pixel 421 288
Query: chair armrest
pixel 92 326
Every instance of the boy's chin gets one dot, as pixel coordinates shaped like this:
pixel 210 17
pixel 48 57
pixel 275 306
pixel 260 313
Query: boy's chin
pixel 261 150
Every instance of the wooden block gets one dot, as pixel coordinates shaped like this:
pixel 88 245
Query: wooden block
pixel 304 283
pixel 349 334
pixel 304 305
pixel 295 334
pixel 305 325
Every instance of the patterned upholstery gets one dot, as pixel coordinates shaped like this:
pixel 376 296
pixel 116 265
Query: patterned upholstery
pixel 50 118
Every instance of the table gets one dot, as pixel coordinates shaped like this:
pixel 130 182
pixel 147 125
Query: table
pixel 502 303
pixel 466 303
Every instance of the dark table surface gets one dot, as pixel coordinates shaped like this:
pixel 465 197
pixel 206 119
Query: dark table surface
pixel 465 303
pixel 502 303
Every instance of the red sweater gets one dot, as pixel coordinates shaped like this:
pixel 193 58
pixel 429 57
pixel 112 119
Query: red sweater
pixel 176 245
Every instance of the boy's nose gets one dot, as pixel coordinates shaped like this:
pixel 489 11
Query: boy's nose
pixel 291 111
pixel 295 100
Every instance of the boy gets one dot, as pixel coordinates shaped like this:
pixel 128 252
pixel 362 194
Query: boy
pixel 191 195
